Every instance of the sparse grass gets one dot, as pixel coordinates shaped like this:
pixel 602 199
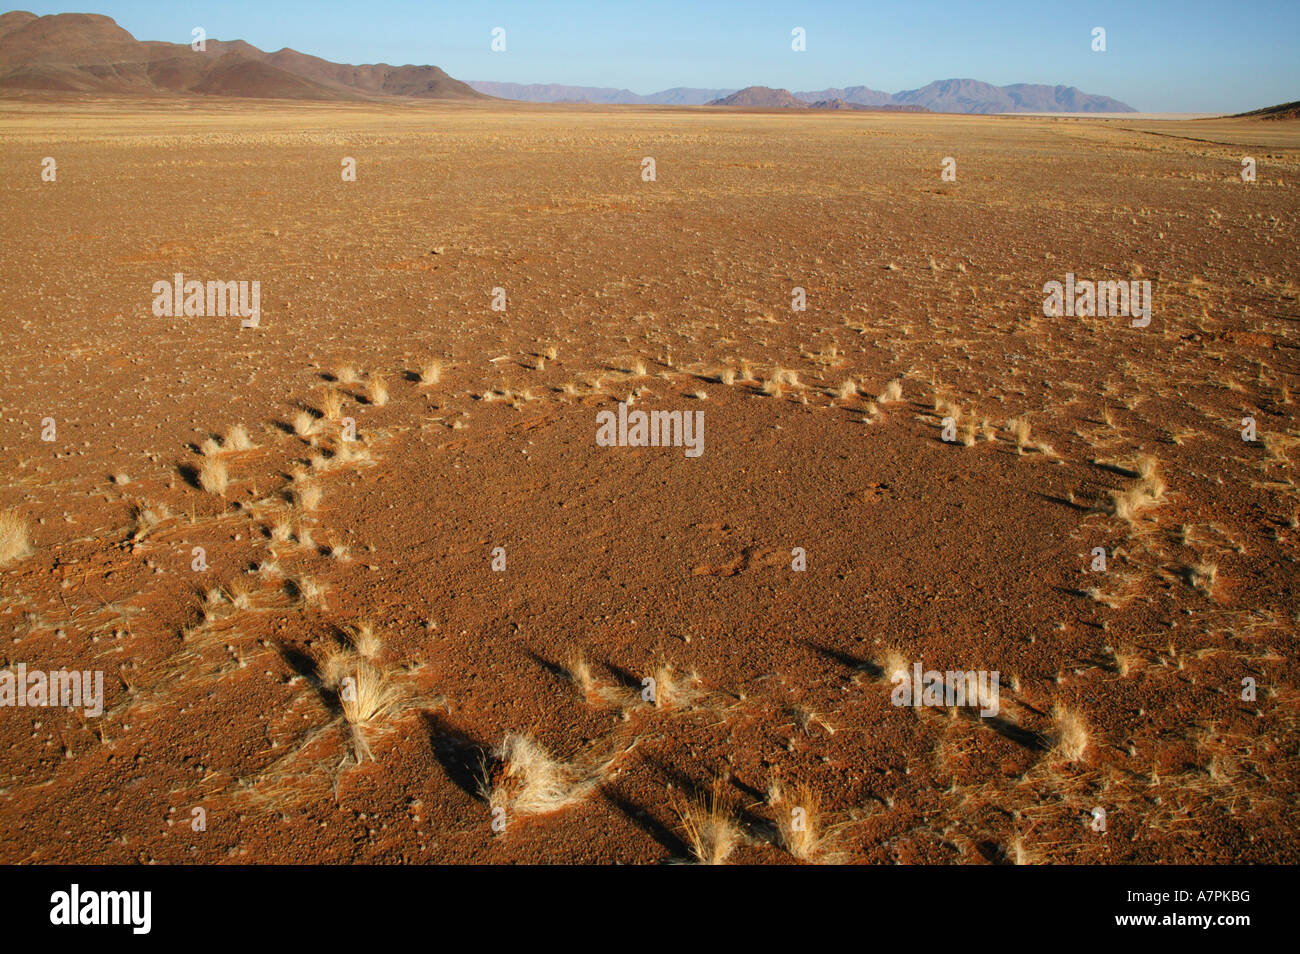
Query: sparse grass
pixel 332 403
pixel 1019 428
pixel 346 374
pixel 892 661
pixel 213 476
pixel 709 825
pixel 15 540
pixel 1020 853
pixel 799 822
pixel 366 695
pixel 672 691
pixel 1126 660
pixel 309 591
pixel 892 394
pixel 528 781
pixel 727 376
pixel 365 641
pixel 145 519
pixel 304 424
pixel 1146 492
pixel 377 390
pixel 281 527
pixel 848 388
pixel 431 373
pixel 237 439
pixel 1069 734
pixel 307 497
pixel 579 673
pixel 1202 577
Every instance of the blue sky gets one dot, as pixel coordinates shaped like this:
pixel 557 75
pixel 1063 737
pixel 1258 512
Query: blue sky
pixel 1162 55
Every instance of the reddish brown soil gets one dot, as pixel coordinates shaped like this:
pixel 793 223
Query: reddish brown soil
pixel 971 557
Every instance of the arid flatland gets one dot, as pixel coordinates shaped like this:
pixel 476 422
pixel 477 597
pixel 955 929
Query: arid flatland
pixel 495 581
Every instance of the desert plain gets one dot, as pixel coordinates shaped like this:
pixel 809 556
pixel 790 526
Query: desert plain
pixel 364 587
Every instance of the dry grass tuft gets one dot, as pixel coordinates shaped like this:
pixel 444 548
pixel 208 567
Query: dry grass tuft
pixel 1126 660
pixel 671 690
pixel 709 825
pixel 528 781
pixel 892 394
pixel 280 528
pixel 307 497
pixel 800 824
pixel 431 373
pixel 1020 853
pixel 304 424
pixel 332 403
pixel 1069 734
pixel 365 640
pixel 1146 492
pixel 1019 428
pixel 892 662
pixel 579 673
pixel 213 476
pixel 309 591
pixel 377 390
pixel 237 439
pixel 1202 577
pixel 15 541
pixel 366 695
pixel 145 519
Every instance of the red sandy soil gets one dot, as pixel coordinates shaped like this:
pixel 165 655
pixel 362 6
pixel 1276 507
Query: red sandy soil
pixel 971 557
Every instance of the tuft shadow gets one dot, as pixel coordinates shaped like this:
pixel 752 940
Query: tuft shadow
pixel 844 659
pixel 1052 498
pixel 555 669
pixel 1007 729
pixel 462 757
pixel 665 836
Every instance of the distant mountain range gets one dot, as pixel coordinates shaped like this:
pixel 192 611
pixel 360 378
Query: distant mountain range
pixel 85 52
pixel 942 96
pixel 765 97
pixel 555 93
